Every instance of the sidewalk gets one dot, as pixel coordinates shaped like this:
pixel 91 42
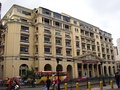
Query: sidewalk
pixel 108 87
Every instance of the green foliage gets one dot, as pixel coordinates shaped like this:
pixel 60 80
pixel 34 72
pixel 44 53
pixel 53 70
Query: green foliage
pixel 29 74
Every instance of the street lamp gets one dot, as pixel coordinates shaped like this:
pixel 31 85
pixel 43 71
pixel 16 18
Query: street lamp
pixel 58 59
pixel 103 79
pixel 13 70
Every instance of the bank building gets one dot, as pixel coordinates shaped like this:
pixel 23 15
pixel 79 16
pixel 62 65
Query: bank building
pixel 36 37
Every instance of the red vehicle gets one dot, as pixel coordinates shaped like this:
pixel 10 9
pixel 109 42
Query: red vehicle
pixel 12 83
pixel 81 79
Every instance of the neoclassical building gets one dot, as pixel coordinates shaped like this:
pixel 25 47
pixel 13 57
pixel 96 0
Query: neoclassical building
pixel 37 37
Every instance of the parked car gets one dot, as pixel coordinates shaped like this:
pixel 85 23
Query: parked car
pixel 81 79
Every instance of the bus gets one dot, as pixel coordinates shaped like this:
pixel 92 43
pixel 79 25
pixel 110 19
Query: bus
pixel 42 76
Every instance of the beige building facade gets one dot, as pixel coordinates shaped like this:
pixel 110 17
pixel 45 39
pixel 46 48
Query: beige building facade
pixel 37 37
pixel 117 54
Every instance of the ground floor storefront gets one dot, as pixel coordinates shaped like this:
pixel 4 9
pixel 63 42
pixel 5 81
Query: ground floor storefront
pixel 87 65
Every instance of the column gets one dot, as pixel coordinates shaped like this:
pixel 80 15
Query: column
pixel 93 71
pixel 87 70
pixel 82 68
pixel 107 70
pixel 52 23
pixel 75 70
pixel 98 74
pixel 102 70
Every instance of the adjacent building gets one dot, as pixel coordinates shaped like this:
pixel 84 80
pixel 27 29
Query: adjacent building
pixel 37 37
pixel 117 54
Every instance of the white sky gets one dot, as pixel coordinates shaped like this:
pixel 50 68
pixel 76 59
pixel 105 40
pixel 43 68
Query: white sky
pixel 104 14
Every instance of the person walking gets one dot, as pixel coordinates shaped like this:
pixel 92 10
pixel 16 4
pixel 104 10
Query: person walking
pixel 48 83
pixel 117 78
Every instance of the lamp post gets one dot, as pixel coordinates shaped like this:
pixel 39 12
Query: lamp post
pixel 58 59
pixel 103 79
pixel 13 70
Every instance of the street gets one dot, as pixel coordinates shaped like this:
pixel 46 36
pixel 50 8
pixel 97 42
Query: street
pixel 71 85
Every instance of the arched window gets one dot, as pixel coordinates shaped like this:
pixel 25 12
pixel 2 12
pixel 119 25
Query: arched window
pixel 22 69
pixel 47 67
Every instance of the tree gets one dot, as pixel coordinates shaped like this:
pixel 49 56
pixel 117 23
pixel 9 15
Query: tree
pixel 30 76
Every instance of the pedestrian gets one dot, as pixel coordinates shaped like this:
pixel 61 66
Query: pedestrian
pixel 55 83
pixel 117 78
pixel 48 83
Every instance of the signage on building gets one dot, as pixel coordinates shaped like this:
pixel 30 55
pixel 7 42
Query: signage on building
pixel 90 61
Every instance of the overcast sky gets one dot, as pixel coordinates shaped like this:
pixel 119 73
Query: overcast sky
pixel 104 14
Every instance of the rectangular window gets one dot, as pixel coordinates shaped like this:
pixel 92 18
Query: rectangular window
pixel 67 19
pixel 46 11
pixel 47 49
pixel 58 41
pixel 57 24
pixel 78 53
pixel 24 49
pixel 75 22
pixel 77 44
pixel 47 31
pixel 24 38
pixel 77 38
pixel 67 35
pixel 47 39
pixel 23 20
pixel 68 42
pixel 68 51
pixel 24 59
pixel 45 20
pixel 88 47
pixel 57 33
pixel 58 50
pixel 67 27
pixel 25 29
pixel 57 15
pixel 93 48
pixel 69 60
pixel 83 45
pixel 23 12
pixel 47 59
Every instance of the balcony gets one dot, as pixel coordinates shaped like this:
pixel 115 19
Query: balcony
pixel 25 32
pixel 47 42
pixel 88 49
pixel 57 24
pixel 46 21
pixel 48 33
pixel 59 54
pixel 58 43
pixel 24 43
pixel 48 54
pixel 88 42
pixel 68 45
pixel 93 43
pixel 103 52
pixel 83 41
pixel 84 49
pixel 23 53
pixel 68 55
pixel 58 35
pixel 67 37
